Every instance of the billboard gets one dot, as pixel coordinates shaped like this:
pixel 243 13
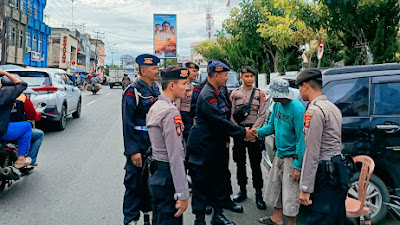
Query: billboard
pixel 165 35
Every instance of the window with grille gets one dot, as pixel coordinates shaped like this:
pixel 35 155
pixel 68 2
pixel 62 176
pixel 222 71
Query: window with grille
pixel 12 35
pixel 20 39
pixel 28 40
pixel 34 43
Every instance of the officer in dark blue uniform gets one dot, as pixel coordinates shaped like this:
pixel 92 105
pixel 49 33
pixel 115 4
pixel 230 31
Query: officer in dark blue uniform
pixel 208 150
pixel 136 102
pixel 227 203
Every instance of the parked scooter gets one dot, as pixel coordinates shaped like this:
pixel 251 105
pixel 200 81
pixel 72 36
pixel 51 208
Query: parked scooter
pixel 8 173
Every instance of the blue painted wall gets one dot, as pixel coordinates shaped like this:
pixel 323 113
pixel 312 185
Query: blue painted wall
pixel 37 28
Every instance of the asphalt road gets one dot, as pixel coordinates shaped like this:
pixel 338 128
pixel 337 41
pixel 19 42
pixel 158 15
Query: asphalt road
pixel 79 179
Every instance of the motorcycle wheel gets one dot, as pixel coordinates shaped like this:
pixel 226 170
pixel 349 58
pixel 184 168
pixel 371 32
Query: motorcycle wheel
pixel 3 184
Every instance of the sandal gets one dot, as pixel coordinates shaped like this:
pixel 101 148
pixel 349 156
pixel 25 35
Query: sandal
pixel 27 161
pixel 267 220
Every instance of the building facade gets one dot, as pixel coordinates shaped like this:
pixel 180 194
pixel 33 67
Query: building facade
pixel 63 49
pixel 15 22
pixel 37 33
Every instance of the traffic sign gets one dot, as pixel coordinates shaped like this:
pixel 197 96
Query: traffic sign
pixel 320 50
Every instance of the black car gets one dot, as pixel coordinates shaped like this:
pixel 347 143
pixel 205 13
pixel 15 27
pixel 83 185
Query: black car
pixel 369 98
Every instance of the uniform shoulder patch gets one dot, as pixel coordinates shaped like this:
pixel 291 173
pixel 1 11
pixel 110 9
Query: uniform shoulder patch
pixel 178 125
pixel 131 94
pixel 307 119
pixel 212 100
pixel 196 90
pixel 264 97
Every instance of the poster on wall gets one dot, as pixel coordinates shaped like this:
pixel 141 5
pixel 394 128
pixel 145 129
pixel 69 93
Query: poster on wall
pixel 165 35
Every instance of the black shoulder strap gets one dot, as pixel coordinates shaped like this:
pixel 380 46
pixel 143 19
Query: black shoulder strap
pixel 252 96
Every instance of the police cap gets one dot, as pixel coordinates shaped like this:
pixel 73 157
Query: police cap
pixel 192 65
pixel 211 61
pixel 248 69
pixel 147 60
pixel 309 74
pixel 218 67
pixel 174 73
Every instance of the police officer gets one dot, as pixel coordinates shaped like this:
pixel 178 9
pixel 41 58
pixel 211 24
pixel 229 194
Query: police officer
pixel 251 115
pixel 125 81
pixel 184 104
pixel 227 203
pixel 168 184
pixel 207 146
pixel 322 132
pixel 136 102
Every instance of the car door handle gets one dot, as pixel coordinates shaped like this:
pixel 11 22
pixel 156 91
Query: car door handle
pixel 389 128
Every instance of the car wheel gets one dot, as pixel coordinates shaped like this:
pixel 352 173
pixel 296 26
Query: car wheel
pixel 62 123
pixel 377 194
pixel 78 111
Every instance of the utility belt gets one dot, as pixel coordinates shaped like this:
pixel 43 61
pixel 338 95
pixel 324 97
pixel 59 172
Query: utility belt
pixel 159 165
pixel 337 172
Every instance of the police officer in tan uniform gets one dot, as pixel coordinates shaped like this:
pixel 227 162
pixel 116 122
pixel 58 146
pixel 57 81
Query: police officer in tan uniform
pixel 184 104
pixel 322 132
pixel 254 114
pixel 168 184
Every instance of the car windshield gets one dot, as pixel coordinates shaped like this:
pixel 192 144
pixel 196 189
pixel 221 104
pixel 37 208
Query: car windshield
pixel 232 80
pixel 34 78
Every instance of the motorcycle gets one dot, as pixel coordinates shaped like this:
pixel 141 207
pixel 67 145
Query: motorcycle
pixel 8 173
pixel 94 88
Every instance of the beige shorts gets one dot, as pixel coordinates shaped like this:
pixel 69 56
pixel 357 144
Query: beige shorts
pixel 281 191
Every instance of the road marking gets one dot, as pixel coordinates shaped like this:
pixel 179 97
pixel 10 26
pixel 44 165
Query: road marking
pixel 108 93
pixel 90 103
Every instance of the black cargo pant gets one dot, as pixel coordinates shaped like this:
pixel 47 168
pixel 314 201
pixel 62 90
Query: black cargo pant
pixel 137 196
pixel 208 185
pixel 254 150
pixel 328 202
pixel 162 191
pixel 188 123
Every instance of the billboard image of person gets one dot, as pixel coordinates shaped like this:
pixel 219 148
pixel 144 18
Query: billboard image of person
pixel 165 35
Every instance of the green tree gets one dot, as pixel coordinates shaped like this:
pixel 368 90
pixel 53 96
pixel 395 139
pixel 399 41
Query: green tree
pixel 172 62
pixel 107 69
pixel 358 24
pixel 210 50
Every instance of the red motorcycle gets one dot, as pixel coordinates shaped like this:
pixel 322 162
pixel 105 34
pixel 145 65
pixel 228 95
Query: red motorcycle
pixel 8 173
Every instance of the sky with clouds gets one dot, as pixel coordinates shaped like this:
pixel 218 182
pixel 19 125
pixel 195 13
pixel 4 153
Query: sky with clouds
pixel 128 24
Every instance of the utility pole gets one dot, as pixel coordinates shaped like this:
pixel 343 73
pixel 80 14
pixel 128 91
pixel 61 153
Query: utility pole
pixel 3 32
pixel 112 53
pixel 72 14
pixel 95 50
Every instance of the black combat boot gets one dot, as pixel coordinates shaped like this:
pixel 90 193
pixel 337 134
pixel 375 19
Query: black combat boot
pixel 259 200
pixel 241 196
pixel 230 205
pixel 146 219
pixel 200 220
pixel 219 219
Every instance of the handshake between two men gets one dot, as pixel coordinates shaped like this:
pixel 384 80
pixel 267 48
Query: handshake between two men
pixel 251 134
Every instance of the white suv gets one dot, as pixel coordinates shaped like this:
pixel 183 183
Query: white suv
pixel 52 93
